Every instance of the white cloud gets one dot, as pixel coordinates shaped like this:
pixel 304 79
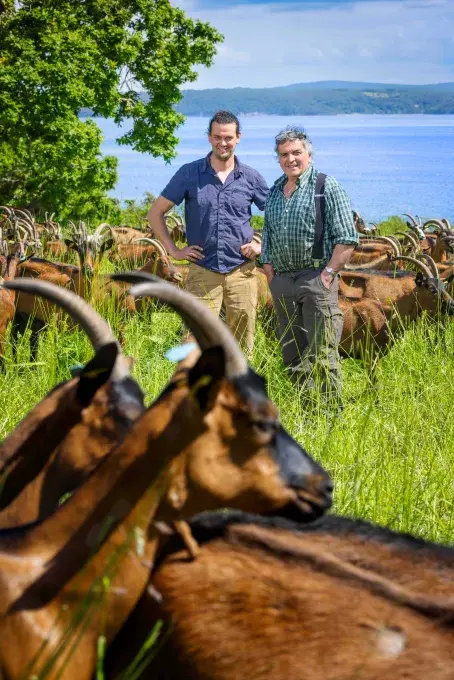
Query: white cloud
pixel 407 41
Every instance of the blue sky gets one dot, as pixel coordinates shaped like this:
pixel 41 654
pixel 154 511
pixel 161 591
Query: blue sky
pixel 283 42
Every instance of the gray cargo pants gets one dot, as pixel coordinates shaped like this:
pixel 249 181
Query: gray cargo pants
pixel 309 328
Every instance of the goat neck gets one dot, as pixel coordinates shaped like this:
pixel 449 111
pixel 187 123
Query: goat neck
pixel 64 436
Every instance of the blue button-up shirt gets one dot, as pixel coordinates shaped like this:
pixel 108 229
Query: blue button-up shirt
pixel 218 216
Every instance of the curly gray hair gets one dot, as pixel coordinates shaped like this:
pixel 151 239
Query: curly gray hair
pixel 291 133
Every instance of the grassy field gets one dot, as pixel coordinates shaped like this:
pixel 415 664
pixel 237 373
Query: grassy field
pixel 390 452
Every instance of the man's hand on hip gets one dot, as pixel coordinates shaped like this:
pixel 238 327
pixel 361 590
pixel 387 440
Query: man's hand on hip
pixel 326 279
pixel 251 250
pixel 190 253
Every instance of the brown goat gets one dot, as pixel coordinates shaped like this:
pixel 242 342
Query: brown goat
pixel 151 258
pixel 125 235
pixel 8 267
pixel 64 437
pixel 90 247
pixel 369 250
pixel 440 241
pixel 211 439
pixel 335 599
pixel 375 305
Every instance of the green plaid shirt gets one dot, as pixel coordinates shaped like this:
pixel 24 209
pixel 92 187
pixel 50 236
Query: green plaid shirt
pixel 289 228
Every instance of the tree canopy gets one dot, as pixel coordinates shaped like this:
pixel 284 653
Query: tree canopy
pixel 60 56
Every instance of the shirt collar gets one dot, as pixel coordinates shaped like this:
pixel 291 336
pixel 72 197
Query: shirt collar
pixel 207 167
pixel 302 179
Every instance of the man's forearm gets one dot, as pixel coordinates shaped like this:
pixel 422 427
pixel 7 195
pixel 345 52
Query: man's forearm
pixel 269 271
pixel 341 256
pixel 159 227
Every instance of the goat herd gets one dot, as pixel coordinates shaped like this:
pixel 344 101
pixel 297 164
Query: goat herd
pixel 283 593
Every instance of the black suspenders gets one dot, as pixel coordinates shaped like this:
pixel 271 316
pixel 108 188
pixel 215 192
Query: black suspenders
pixel 317 250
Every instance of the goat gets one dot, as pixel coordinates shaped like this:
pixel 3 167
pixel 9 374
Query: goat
pixel 8 267
pixel 360 225
pixel 124 235
pixel 338 598
pixel 176 227
pixel 77 279
pixel 212 438
pixel 440 241
pixel 151 258
pixel 367 252
pixel 375 304
pixel 90 247
pixel 65 436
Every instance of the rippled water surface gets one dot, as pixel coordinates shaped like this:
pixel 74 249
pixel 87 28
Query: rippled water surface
pixel 388 164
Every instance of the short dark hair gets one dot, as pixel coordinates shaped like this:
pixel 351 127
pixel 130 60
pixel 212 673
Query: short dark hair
pixel 224 118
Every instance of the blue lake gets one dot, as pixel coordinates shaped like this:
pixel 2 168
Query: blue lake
pixel 388 164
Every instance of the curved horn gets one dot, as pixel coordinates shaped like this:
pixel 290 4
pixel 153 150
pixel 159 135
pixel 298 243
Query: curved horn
pixel 206 327
pixel 411 217
pixel 9 211
pixel 447 223
pixel 97 329
pixel 395 245
pixel 368 265
pixel 103 227
pixel 178 222
pixel 431 262
pixel 410 236
pixel 437 223
pixel 26 213
pixel 418 263
pixel 154 242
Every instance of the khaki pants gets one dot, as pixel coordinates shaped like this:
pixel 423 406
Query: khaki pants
pixel 309 327
pixel 237 291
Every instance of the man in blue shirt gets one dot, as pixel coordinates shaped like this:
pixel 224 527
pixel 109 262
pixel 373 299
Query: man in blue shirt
pixel 218 191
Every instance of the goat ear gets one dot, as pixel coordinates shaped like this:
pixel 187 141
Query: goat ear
pixel 205 377
pixel 96 372
pixel 419 279
pixel 107 244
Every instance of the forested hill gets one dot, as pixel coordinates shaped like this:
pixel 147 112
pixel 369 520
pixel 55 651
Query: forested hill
pixel 322 98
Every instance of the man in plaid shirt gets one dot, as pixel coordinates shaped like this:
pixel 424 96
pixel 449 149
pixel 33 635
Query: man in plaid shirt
pixel 305 290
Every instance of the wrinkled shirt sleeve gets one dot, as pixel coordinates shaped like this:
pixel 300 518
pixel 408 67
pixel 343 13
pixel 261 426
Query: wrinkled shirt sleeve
pixel 339 216
pixel 176 189
pixel 260 192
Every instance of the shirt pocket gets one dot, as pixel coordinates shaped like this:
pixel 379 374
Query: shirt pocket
pixel 239 198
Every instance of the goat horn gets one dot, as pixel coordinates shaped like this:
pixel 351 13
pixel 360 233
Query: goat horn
pixel 97 329
pixel 447 222
pixel 206 327
pixel 393 243
pixel 411 217
pixel 8 211
pixel 437 223
pixel 175 219
pixel 154 242
pixel 103 227
pixel 431 262
pixel 418 263
pixel 367 265
pixel 26 213
pixel 410 236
